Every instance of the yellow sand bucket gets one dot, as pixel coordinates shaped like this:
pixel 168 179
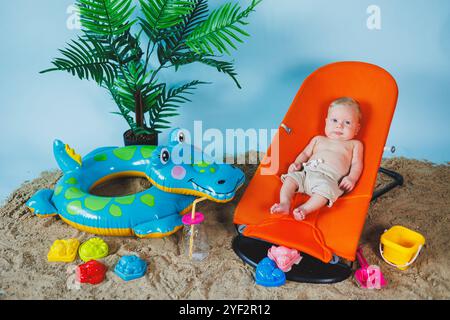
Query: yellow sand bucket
pixel 400 246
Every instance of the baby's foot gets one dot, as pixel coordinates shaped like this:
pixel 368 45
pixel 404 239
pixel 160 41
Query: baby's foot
pixel 282 208
pixel 300 213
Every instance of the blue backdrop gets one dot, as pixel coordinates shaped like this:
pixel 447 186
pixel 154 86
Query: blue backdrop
pixel 290 39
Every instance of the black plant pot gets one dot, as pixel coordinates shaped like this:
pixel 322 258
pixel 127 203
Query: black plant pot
pixel 131 139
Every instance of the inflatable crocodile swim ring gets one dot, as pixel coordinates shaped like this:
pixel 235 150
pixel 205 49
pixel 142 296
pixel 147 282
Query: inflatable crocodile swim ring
pixel 155 212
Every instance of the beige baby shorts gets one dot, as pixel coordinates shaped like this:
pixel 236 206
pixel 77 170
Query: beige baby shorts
pixel 319 178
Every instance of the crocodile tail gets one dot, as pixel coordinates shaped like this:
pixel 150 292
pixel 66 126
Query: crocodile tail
pixel 41 203
pixel 66 157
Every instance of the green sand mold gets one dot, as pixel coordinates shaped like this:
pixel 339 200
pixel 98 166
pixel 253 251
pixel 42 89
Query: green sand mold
pixel 93 249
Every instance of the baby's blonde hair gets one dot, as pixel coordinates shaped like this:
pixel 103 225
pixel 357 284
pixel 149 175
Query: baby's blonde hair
pixel 348 102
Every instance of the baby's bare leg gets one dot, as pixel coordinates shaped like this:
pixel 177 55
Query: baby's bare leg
pixel 314 203
pixel 286 194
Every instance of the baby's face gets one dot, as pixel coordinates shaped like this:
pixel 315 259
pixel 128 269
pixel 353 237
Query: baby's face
pixel 342 123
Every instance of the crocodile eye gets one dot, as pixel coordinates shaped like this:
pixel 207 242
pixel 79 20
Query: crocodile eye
pixel 181 137
pixel 165 156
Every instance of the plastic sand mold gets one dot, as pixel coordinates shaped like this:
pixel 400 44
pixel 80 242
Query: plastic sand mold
pixel 268 275
pixel 93 249
pixel 64 250
pixel 130 267
pixel 92 272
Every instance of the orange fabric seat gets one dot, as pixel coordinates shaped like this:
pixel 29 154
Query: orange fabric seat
pixel 333 230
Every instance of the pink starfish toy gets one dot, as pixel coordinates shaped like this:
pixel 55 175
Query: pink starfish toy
pixel 284 257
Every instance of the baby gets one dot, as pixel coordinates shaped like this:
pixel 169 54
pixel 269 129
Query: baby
pixel 328 166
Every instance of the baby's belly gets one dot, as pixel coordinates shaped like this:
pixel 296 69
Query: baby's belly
pixel 338 161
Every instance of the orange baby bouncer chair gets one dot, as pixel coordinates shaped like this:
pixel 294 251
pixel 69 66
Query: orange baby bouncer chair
pixel 329 236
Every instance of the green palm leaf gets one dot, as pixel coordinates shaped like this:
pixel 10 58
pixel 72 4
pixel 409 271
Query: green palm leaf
pixel 124 112
pixel 221 29
pixel 162 14
pixel 221 66
pixel 198 15
pixel 129 84
pixel 87 59
pixel 168 102
pixel 148 92
pixel 125 48
pixel 174 42
pixel 106 17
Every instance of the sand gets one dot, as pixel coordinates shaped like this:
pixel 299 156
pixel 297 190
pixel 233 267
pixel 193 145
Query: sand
pixel 421 204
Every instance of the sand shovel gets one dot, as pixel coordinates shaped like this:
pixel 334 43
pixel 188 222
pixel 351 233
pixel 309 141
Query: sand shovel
pixel 368 277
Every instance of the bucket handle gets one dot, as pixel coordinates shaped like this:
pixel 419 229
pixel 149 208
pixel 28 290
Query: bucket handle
pixel 405 265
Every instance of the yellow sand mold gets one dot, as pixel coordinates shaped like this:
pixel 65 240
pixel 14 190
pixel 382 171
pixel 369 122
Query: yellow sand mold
pixel 63 250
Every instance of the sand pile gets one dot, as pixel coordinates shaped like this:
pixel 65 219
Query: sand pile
pixel 422 204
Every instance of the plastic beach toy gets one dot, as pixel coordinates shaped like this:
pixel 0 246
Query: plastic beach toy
pixel 400 246
pixel 93 249
pixel 368 277
pixel 154 212
pixel 92 272
pixel 268 275
pixel 284 257
pixel 64 250
pixel 130 267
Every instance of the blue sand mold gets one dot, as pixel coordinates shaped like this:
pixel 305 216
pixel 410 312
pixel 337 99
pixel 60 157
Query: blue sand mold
pixel 268 275
pixel 130 267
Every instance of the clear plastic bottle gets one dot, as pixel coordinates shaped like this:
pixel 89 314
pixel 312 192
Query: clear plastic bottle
pixel 197 247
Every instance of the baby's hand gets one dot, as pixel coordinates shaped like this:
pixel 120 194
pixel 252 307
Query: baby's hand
pixel 347 184
pixel 294 167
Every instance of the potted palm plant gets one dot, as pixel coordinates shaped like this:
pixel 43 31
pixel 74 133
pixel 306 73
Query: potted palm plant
pixel 117 47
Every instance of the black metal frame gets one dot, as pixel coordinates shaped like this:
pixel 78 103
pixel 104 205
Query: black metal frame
pixel 310 269
pixel 397 181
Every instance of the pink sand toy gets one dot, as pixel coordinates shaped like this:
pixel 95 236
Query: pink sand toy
pixel 368 277
pixel 284 257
